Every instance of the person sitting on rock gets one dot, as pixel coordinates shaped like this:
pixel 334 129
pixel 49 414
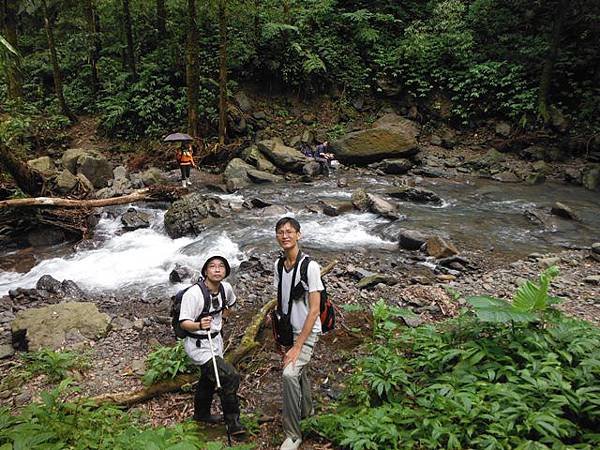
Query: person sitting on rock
pixel 324 157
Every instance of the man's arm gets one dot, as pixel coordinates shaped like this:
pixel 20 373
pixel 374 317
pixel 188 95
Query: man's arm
pixel 314 305
pixel 190 325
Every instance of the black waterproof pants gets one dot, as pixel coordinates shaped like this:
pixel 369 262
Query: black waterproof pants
pixel 230 381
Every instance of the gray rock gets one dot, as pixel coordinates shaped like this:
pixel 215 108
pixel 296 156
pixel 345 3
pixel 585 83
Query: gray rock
pixel 70 158
pixel 392 136
pixel 382 207
pixel 596 248
pixel 374 280
pixel 43 164
pixel 50 284
pixel 237 168
pixel 397 166
pixel 411 239
pixel 417 195
pixel 506 177
pixel 243 101
pixel 46 236
pixel 544 263
pixel 134 219
pixel 71 290
pixel 65 181
pixel 6 351
pixel 96 168
pixel 46 327
pixel 286 158
pixel 121 323
pixel 360 200
pixel 179 274
pixel 435 140
pixel 535 178
pixel 335 208
pixel 152 176
pixel 260 177
pixel 562 210
pixel 252 155
pixel 87 184
pixel 312 169
pixel 572 175
pixel 188 215
pixel 591 177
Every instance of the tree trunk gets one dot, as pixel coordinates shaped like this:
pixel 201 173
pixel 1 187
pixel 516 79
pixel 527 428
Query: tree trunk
pixel 222 71
pixel 161 19
pixel 91 18
pixel 191 69
pixel 550 60
pixel 256 24
pixel 29 180
pixel 130 55
pixel 13 72
pixel 58 83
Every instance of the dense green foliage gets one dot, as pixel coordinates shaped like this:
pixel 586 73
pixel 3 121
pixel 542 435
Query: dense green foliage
pixel 472 384
pixel 166 363
pixel 461 59
pixel 58 424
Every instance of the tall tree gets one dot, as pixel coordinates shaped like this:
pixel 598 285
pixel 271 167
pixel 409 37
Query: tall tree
pixel 191 69
pixel 58 81
pixel 222 11
pixel 127 28
pixel 13 64
pixel 161 18
pixel 91 17
pixel 550 59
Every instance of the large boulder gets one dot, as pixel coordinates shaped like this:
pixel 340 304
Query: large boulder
pixel 398 166
pixel 252 155
pixel 70 158
pixel 286 158
pixel 259 177
pixel 50 326
pixel 134 219
pixel 191 214
pixel 236 174
pixel 152 176
pixel 392 136
pixel 380 206
pixel 43 164
pixel 96 168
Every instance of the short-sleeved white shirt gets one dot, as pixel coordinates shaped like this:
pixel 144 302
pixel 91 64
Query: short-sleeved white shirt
pixel 300 307
pixel 192 304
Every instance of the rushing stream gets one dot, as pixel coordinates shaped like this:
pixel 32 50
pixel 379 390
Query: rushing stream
pixel 476 214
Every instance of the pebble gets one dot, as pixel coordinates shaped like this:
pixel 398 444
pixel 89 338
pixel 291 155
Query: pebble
pixel 548 262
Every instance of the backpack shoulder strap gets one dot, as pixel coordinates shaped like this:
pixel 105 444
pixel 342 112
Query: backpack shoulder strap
pixel 206 295
pixel 279 276
pixel 304 269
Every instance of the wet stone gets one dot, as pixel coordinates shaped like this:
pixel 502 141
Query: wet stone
pixel 596 248
pixel 592 279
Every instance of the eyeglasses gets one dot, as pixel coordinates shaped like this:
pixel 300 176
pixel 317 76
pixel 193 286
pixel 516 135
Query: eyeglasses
pixel 216 266
pixel 281 233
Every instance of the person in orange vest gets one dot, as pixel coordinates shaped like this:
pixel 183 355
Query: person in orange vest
pixel 185 161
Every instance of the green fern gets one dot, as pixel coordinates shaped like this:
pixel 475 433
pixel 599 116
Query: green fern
pixel 530 300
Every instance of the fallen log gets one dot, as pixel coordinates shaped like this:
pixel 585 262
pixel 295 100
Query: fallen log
pixel 247 344
pixel 150 194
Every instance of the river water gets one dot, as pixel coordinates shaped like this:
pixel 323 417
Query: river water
pixel 476 214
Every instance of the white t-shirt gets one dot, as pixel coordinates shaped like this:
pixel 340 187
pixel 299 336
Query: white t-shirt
pixel 300 306
pixel 192 304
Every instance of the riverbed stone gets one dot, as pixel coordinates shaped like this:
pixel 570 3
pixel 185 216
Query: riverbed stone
pixel 49 283
pixel 359 199
pixel 260 177
pixel 392 136
pixel 411 239
pixel 134 219
pixel 373 280
pixel 179 274
pixel 70 157
pixel 592 279
pixel 564 211
pixel 397 166
pixel 312 169
pixel 544 263
pixel 286 158
pixel 48 235
pixel 252 155
pixel 96 168
pixel 596 248
pixel 415 194
pixel 535 178
pixel 188 216
pixel 503 129
pixel 440 248
pixel 46 327
pixel 379 205
pixel 336 207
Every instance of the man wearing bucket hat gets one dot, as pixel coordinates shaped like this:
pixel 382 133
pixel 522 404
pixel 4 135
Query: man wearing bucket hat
pixel 206 350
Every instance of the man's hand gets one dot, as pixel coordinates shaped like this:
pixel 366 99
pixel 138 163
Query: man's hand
pixel 291 356
pixel 205 323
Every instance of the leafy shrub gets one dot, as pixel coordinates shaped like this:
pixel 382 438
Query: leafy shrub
pixel 56 423
pixel 471 384
pixel 55 364
pixel 166 363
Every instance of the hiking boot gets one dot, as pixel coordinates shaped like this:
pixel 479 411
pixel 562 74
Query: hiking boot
pixel 208 418
pixel 183 183
pixel 234 426
pixel 189 183
pixel 290 444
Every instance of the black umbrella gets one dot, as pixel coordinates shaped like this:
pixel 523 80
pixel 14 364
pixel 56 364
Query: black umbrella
pixel 178 137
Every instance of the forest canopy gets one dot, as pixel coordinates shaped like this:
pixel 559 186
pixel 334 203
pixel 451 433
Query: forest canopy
pixel 463 60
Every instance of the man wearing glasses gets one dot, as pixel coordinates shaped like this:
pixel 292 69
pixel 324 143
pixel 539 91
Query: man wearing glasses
pixel 306 326
pixel 192 319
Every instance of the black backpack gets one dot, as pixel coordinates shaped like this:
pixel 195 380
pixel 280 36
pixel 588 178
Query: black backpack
pixel 326 311
pixel 176 307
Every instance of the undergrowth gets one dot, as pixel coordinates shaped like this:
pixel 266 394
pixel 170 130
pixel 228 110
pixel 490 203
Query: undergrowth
pixel 466 383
